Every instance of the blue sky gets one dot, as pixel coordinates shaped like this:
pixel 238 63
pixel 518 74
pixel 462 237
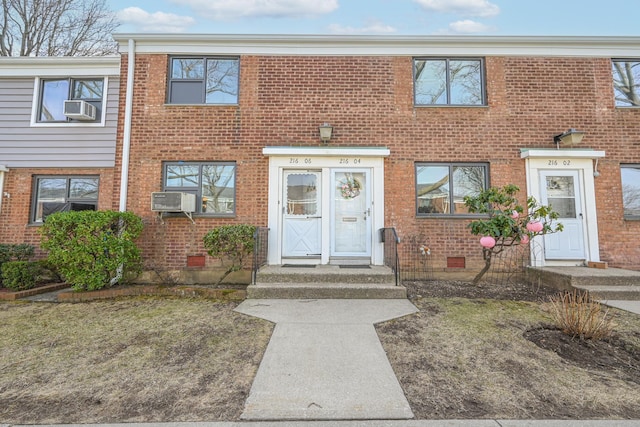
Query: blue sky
pixel 381 17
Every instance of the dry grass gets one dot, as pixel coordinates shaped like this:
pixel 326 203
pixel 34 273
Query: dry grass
pixel 579 316
pixel 467 358
pixel 134 360
pixel 169 359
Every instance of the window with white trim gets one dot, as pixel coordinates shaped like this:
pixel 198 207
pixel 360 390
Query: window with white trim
pixel 626 82
pixel 54 92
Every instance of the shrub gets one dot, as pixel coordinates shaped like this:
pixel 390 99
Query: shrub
pixel 577 315
pixel 20 275
pixel 92 249
pixel 232 243
pixel 15 252
pixel 508 223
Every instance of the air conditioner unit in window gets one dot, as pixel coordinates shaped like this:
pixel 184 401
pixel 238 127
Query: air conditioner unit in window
pixel 79 110
pixel 173 201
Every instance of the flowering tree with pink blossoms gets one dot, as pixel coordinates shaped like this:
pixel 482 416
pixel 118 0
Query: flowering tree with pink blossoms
pixel 507 222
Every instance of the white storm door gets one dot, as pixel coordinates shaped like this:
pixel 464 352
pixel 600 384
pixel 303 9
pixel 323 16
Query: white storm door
pixel 302 219
pixel 351 213
pixel 561 190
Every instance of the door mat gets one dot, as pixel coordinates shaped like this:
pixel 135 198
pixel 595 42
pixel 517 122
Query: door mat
pixel 354 266
pixel 298 265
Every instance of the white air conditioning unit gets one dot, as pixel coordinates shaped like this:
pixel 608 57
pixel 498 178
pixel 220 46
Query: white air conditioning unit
pixel 79 110
pixel 173 201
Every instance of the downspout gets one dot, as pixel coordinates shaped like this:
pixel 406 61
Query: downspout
pixel 3 170
pixel 126 137
pixel 126 141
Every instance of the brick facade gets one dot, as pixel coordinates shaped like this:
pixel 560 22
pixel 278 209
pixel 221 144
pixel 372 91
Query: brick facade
pixel 369 101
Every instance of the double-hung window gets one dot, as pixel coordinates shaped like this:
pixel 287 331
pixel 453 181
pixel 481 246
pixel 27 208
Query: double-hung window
pixel 213 183
pixel 63 193
pixel 203 80
pixel 626 82
pixel 630 175
pixel 54 92
pixel 448 81
pixel 441 187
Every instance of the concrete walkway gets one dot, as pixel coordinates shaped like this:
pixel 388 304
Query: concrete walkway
pixel 325 361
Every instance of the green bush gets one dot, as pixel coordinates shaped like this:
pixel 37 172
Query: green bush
pixel 14 252
pixel 92 249
pixel 230 243
pixel 20 275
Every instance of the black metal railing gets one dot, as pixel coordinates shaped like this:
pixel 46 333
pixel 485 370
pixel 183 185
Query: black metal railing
pixel 260 249
pixel 391 240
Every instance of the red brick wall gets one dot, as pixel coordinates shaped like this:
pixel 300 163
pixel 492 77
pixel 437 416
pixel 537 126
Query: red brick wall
pixel 14 226
pixel 369 101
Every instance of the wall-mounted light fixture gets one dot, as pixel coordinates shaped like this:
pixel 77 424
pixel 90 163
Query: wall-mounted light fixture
pixel 570 137
pixel 325 132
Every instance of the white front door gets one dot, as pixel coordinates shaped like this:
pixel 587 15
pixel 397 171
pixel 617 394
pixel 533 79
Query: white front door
pixel 350 213
pixel 302 214
pixel 561 190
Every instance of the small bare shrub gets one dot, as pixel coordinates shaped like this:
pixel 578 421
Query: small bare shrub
pixel 579 316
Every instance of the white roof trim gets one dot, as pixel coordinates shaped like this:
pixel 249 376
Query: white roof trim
pixel 326 151
pixel 59 66
pixel 256 44
pixel 3 168
pixel 532 153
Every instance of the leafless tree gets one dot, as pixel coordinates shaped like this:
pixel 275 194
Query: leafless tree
pixel 56 28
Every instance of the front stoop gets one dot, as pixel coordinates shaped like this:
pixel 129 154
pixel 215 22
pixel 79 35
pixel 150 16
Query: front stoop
pixel 601 283
pixel 325 282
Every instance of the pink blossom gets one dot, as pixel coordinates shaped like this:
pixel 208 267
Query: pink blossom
pixel 487 242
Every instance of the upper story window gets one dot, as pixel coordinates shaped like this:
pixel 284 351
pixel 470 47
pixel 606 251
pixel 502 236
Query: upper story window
pixel 630 175
pixel 63 193
pixel 213 183
pixel 448 81
pixel 54 93
pixel 203 80
pixel 626 82
pixel 441 187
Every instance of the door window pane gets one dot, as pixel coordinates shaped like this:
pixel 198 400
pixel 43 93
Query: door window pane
pixel 302 194
pixel 561 195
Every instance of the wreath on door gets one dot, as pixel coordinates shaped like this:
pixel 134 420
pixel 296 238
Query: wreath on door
pixel 350 187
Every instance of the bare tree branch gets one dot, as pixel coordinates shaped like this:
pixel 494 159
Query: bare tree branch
pixel 56 28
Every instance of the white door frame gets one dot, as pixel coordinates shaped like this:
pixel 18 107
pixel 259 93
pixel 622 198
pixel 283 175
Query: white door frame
pixel 325 159
pixel 580 160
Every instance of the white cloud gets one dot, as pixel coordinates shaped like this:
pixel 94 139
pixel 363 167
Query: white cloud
pixel 482 8
pixel 230 9
pixel 370 28
pixel 468 26
pixel 155 22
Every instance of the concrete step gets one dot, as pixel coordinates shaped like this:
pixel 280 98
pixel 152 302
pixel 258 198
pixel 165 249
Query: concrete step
pixel 567 278
pixel 326 290
pixel 624 293
pixel 372 274
pixel 325 282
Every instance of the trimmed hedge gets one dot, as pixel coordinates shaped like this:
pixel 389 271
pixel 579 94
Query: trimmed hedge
pixel 92 249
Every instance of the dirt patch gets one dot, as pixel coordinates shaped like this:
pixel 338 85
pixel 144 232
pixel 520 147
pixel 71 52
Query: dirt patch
pixel 613 355
pixel 468 354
